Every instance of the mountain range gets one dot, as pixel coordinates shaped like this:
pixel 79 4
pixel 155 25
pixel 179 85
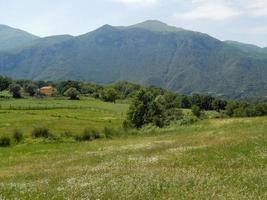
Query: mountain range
pixel 150 53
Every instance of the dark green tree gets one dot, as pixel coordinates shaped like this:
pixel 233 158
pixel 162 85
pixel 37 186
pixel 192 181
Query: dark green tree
pixel 219 105
pixel 72 93
pixel 184 101
pixel 4 83
pixel 15 89
pixel 139 111
pixel 31 89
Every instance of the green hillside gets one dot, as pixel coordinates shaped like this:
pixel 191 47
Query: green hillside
pixel 150 53
pixel 11 38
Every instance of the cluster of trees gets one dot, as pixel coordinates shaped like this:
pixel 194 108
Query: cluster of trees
pixel 244 109
pixel 152 106
pixel 160 107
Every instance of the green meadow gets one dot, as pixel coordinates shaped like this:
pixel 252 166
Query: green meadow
pixel 210 159
pixel 59 115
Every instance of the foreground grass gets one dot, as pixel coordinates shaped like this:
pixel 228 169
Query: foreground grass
pixel 213 159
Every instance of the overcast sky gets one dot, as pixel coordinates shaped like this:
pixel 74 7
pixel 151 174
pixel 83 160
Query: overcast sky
pixel 241 20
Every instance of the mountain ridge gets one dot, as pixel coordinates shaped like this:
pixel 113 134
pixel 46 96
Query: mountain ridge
pixel 183 61
pixel 12 38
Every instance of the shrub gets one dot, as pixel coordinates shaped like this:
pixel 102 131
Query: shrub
pixel 72 93
pixel 31 89
pixel 5 141
pixel 15 89
pixel 41 133
pixel 88 135
pixel 188 120
pixel 17 136
pixel 109 95
pixel 196 111
pixel 67 134
pixel 109 132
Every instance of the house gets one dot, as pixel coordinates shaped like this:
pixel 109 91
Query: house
pixel 48 91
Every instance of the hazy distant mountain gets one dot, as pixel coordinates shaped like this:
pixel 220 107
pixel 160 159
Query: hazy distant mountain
pixel 154 25
pixel 11 38
pixel 151 53
pixel 248 48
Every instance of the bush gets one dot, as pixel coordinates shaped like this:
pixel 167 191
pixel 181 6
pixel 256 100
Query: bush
pixel 17 136
pixel 88 135
pixel 196 111
pixel 41 133
pixel 31 89
pixel 67 134
pixel 15 89
pixel 72 93
pixel 188 120
pixel 109 132
pixel 5 141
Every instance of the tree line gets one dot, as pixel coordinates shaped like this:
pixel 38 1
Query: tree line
pixel 148 105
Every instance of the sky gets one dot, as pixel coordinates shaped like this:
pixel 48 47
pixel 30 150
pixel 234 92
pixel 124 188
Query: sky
pixel 239 20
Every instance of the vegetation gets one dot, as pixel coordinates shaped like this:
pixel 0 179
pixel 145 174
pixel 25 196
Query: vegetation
pixel 15 89
pixel 102 160
pixel 198 56
pixel 72 93
pixel 31 89
pixel 4 83
pixel 214 158
pixel 17 136
pixel 5 141
pixel 148 105
pixel 129 141
pixel 196 111
pixel 41 132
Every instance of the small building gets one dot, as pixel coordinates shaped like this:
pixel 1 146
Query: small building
pixel 48 91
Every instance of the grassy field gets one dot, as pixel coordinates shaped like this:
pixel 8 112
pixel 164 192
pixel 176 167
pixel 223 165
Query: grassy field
pixel 211 159
pixel 59 115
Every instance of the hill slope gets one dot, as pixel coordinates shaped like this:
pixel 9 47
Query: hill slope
pixel 11 38
pixel 150 53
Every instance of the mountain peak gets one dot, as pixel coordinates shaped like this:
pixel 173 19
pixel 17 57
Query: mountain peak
pixel 155 25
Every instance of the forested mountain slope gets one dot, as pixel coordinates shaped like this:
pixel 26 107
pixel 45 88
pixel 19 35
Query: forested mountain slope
pixel 151 53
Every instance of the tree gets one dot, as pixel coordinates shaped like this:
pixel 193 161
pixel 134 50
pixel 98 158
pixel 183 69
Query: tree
pixel 72 93
pixel 63 86
pixel 231 107
pixel 206 102
pixel 196 111
pixel 109 95
pixel 31 89
pixel 15 89
pixel 219 105
pixel 184 101
pixel 4 83
pixel 138 114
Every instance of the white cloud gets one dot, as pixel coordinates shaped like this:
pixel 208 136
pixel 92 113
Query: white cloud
pixel 138 2
pixel 256 7
pixel 210 11
pixel 254 30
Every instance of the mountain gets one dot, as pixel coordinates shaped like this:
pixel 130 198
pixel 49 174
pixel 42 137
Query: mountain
pixel 248 48
pixel 155 25
pixel 150 53
pixel 11 38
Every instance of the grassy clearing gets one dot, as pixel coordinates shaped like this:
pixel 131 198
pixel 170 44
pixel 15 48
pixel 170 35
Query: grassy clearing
pixel 211 159
pixel 59 115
